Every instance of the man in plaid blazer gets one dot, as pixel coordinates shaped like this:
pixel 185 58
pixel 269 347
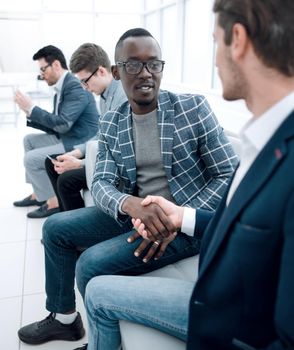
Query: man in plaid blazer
pixel 156 143
pixel 191 142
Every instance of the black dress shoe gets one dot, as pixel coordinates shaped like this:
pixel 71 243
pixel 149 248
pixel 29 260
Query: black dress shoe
pixel 51 329
pixel 26 202
pixel 84 347
pixel 42 212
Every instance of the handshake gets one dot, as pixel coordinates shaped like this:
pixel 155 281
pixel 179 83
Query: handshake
pixel 156 220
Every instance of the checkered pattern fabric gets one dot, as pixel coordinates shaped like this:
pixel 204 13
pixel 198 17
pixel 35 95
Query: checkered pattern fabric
pixel 197 156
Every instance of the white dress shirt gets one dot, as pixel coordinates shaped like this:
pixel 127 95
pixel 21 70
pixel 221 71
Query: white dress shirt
pixel 254 136
pixel 57 88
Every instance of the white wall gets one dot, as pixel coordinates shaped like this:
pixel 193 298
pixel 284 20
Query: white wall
pixel 182 27
pixel 26 26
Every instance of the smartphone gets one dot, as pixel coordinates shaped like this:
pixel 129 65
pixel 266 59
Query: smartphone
pixel 51 158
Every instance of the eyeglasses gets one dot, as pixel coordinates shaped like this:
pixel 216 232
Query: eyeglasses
pixel 43 69
pixel 85 81
pixel 136 67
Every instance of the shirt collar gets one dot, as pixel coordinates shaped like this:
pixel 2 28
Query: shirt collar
pixel 109 90
pixel 258 131
pixel 58 86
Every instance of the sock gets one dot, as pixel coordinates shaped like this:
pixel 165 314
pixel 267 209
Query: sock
pixel 66 318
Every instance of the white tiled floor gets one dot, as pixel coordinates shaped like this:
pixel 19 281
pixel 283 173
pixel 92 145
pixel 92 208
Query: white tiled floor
pixel 22 296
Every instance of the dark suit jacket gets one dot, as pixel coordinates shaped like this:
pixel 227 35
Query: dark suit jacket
pixel 244 296
pixel 76 118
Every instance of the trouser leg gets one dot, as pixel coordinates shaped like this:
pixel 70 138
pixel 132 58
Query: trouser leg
pixel 37 146
pixel 160 303
pixel 116 257
pixel 53 177
pixel 69 186
pixel 62 234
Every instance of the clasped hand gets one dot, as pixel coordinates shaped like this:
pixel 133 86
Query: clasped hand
pixel 66 162
pixel 156 220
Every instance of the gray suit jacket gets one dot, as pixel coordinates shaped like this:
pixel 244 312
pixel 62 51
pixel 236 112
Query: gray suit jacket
pixel 111 98
pixel 76 120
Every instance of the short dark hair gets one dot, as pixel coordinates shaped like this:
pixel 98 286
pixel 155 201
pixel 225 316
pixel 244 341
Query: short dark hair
pixel 51 53
pixel 269 25
pixel 135 32
pixel 89 56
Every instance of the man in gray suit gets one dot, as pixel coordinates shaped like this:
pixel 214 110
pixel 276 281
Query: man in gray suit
pixel 74 120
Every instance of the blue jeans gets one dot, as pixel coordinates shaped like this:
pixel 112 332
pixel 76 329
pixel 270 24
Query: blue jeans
pixel 85 227
pixel 160 303
pixel 116 257
pixel 62 234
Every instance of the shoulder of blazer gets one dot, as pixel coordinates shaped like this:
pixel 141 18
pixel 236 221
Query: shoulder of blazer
pixel 120 112
pixel 182 102
pixel 71 80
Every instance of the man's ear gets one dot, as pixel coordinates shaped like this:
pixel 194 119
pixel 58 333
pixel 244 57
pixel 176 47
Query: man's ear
pixel 240 41
pixel 56 64
pixel 101 70
pixel 115 73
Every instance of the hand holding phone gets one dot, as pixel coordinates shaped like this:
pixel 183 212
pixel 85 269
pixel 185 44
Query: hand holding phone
pixel 51 158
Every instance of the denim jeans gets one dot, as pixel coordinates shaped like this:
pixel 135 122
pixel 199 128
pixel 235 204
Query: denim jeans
pixel 116 257
pixel 107 253
pixel 62 234
pixel 160 303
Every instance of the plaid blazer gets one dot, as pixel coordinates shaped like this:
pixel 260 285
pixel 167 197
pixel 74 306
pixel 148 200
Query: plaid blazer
pixel 197 156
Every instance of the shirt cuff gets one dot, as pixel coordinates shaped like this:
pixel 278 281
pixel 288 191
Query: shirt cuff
pixel 120 206
pixel 189 221
pixel 29 112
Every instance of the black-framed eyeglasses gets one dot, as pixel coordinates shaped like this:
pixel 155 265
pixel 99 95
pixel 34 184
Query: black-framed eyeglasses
pixel 85 81
pixel 43 69
pixel 136 67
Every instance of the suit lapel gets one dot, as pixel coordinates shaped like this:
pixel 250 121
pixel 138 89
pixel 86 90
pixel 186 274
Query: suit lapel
pixel 54 104
pixel 126 145
pixel 258 174
pixel 66 78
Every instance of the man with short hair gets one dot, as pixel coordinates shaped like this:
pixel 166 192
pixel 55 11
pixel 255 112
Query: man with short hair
pixel 152 144
pixel 74 120
pixel 90 63
pixel 243 298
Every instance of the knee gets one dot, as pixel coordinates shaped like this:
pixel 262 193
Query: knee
pixel 28 160
pixel 82 272
pixel 91 263
pixel 62 183
pixel 98 288
pixel 27 142
pixel 51 229
pixel 33 161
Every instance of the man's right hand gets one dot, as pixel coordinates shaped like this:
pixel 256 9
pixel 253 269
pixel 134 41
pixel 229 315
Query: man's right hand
pixel 173 213
pixel 157 224
pixel 66 162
